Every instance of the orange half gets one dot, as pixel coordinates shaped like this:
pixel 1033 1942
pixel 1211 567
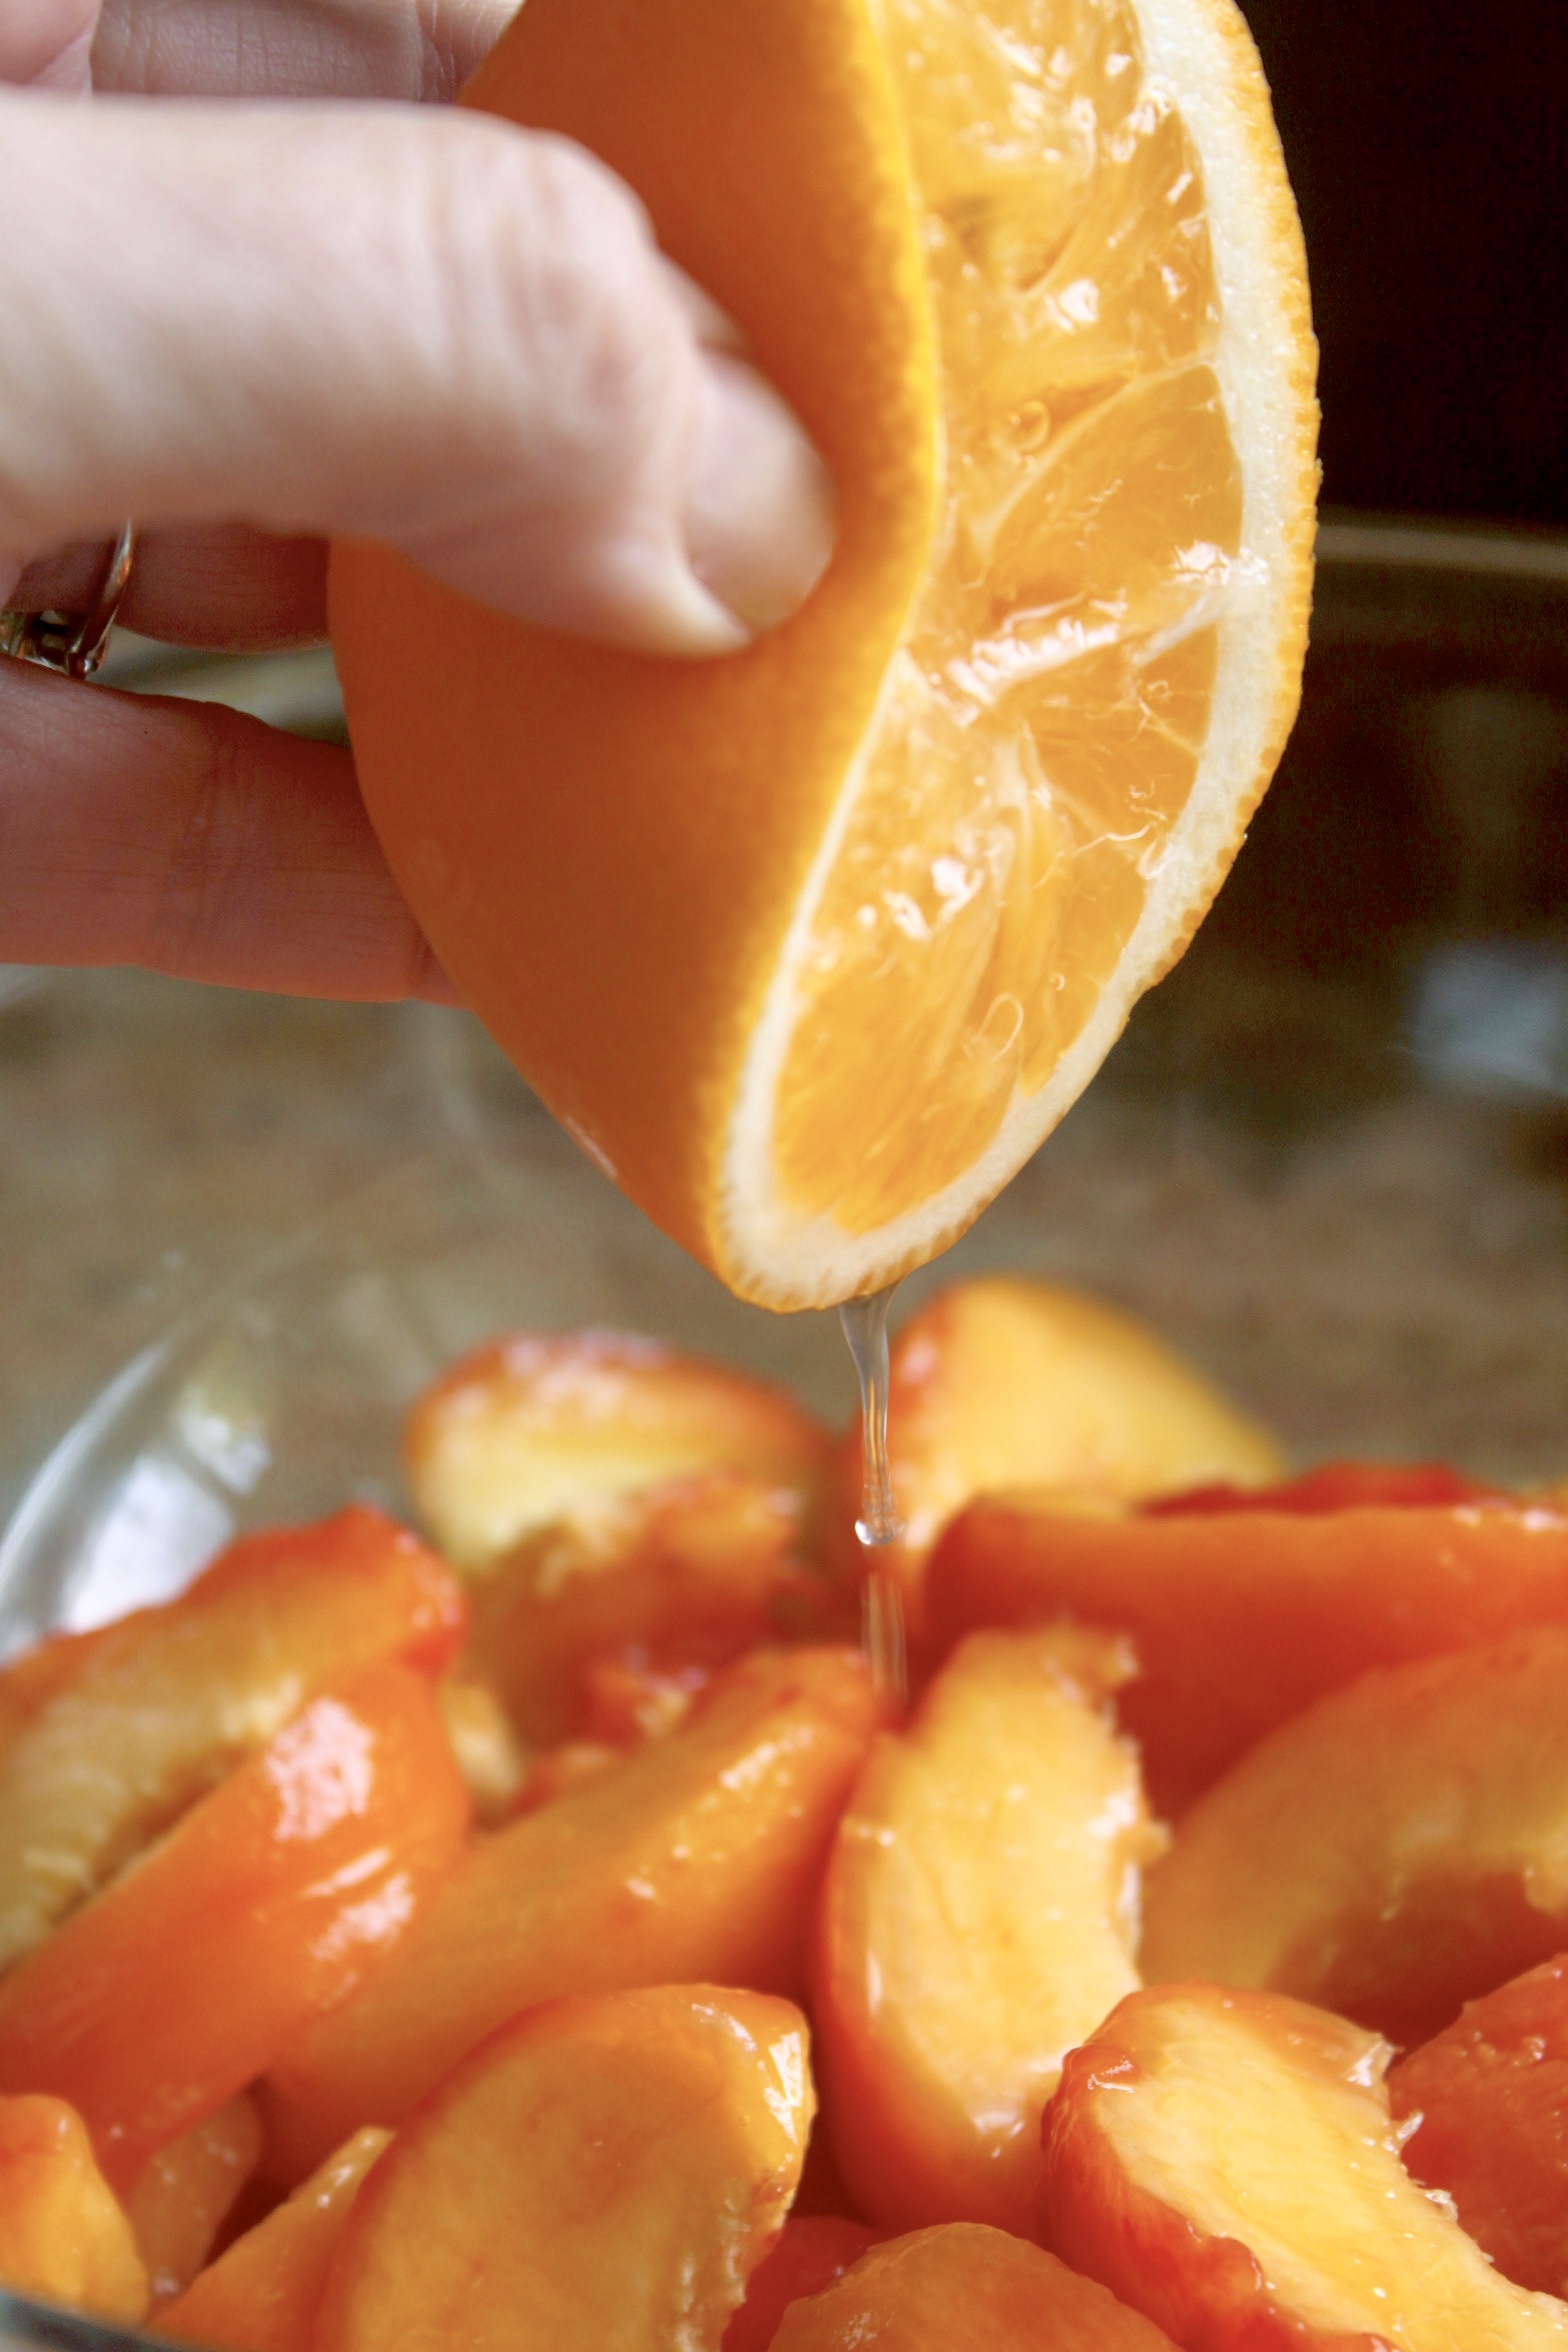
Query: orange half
pixel 812 946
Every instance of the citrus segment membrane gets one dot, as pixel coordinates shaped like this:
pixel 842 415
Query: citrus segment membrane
pixel 1045 714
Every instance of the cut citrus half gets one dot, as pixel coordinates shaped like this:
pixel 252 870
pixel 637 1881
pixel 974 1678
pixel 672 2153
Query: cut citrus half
pixel 811 946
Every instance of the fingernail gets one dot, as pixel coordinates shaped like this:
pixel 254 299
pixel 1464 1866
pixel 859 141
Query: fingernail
pixel 759 502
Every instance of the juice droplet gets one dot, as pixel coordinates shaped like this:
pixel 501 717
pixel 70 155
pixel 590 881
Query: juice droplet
pixel 882 1608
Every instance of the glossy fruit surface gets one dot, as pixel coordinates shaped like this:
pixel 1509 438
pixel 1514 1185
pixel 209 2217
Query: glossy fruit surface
pixel 146 1715
pixel 1390 1853
pixel 699 1855
pixel 1241 1618
pixel 541 1427
pixel 1491 2095
pixel 63 2238
pixel 1226 2162
pixel 810 2252
pixel 979 1919
pixel 999 1382
pixel 599 2177
pixel 813 944
pixel 181 1983
pixel 263 2292
pixel 964 2288
pixel 688 1577
pixel 186 2191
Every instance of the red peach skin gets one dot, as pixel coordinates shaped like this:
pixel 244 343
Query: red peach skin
pixel 181 1982
pixel 1001 1382
pixel 810 2252
pixel 155 1710
pixel 1491 2096
pixel 1392 1852
pixel 1243 1618
pixel 1226 2163
pixel 1337 1486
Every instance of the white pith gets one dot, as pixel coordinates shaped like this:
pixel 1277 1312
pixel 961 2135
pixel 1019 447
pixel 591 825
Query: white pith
pixel 767 1251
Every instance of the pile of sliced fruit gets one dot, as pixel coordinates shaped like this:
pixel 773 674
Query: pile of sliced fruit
pixel 449 1942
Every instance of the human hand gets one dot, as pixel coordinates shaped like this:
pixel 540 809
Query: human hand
pixel 253 325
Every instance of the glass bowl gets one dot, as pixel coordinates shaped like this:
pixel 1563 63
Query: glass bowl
pixel 1329 1159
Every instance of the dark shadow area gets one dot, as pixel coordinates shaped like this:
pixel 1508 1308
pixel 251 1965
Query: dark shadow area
pixel 1427 145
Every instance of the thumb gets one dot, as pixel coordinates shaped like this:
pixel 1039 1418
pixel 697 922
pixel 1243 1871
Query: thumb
pixel 430 329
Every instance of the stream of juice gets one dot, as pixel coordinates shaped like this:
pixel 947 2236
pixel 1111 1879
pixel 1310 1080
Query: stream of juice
pixel 882 1599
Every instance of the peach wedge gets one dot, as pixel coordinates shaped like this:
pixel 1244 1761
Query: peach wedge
pixel 63 2237
pixel 179 1984
pixel 809 2253
pixel 693 1574
pixel 1397 1849
pixel 1001 1383
pixel 1240 1618
pixel 1487 2103
pixel 698 1856
pixel 263 2292
pixel 159 1707
pixel 545 1426
pixel 187 2190
pixel 979 1918
pixel 1226 2162
pixel 599 2177
pixel 964 2288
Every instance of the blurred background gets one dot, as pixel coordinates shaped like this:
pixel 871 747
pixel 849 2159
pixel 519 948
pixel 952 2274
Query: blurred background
pixel 1330 1157
pixel 1426 142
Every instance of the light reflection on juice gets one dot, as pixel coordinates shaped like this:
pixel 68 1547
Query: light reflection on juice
pixel 882 1601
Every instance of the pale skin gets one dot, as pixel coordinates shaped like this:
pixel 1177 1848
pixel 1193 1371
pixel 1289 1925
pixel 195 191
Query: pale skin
pixel 253 324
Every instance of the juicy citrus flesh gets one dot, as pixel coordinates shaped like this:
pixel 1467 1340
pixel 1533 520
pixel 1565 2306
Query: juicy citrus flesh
pixel 810 947
pixel 1045 713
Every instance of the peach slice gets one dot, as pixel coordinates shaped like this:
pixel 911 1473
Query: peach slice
pixel 158 1708
pixel 560 1771
pixel 187 2190
pixel 810 2252
pixel 964 2288
pixel 1226 2162
pixel 1397 1849
pixel 63 2237
pixel 545 1426
pixel 30 1679
pixel 698 1856
pixel 979 1918
pixel 1242 1618
pixel 263 2292
pixel 178 1985
pixel 1487 2106
pixel 492 1760
pixel 598 2177
pixel 692 1574
pixel 1002 1383
pixel 1339 1486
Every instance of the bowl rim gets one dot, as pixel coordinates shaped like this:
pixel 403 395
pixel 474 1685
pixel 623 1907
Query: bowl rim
pixel 1362 540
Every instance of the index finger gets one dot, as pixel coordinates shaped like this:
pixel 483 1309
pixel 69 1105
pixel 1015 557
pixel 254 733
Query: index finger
pixel 188 839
